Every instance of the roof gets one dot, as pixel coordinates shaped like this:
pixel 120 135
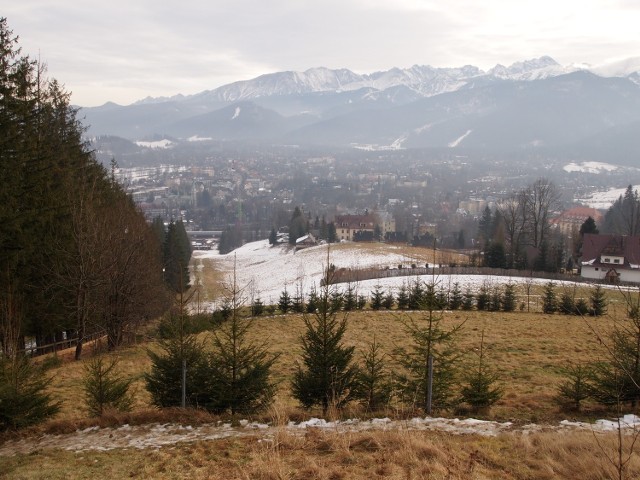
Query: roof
pixel 305 238
pixel 578 215
pixel 354 222
pixel 594 246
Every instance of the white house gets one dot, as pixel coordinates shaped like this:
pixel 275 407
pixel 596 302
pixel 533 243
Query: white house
pixel 611 258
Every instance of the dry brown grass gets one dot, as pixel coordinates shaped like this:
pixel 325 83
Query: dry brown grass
pixel 356 455
pixel 528 350
pixel 417 255
pixel 210 278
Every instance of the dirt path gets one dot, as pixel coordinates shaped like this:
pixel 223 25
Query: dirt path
pixel 157 435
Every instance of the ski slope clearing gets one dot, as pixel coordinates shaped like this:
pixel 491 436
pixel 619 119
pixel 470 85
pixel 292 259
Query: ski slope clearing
pixel 265 271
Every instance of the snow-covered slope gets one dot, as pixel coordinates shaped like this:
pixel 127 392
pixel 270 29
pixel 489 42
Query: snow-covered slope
pixel 536 69
pixel 265 271
pixel 423 79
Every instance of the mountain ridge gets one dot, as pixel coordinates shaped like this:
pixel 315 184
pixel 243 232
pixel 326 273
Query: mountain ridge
pixel 535 104
pixel 424 79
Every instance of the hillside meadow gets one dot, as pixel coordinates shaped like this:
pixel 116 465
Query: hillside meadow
pixel 527 349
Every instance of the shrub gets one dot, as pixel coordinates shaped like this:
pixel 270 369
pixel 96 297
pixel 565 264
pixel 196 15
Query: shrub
pixel 480 389
pixel 575 388
pixel 23 397
pixel 567 304
pixel 509 298
pixel 598 301
pixel 104 389
pixel 549 301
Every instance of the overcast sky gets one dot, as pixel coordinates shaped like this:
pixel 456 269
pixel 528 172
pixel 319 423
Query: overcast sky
pixel 125 50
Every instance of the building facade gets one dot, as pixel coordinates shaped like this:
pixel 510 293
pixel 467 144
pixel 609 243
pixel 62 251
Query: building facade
pixel 611 258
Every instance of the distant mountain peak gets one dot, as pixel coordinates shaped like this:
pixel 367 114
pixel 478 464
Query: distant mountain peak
pixel 151 100
pixel 534 69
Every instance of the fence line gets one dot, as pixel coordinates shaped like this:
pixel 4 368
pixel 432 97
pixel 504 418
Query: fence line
pixel 344 275
pixel 38 350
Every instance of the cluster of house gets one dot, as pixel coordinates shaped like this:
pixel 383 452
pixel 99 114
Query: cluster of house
pixel 354 228
pixel 605 257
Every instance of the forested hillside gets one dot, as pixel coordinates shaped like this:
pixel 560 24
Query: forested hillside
pixel 76 257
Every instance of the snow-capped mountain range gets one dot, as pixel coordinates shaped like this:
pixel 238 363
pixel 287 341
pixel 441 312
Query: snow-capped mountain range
pixel 424 80
pixel 534 104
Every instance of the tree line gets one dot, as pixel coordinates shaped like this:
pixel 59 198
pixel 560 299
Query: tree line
pixel 76 256
pixel 518 234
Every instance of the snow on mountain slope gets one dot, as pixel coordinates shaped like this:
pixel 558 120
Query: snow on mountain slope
pixel 536 69
pixel 590 167
pixel 163 144
pixel 423 79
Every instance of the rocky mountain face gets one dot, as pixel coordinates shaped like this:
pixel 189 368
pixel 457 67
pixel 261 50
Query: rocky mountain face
pixel 535 104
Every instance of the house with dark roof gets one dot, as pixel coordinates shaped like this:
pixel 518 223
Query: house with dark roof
pixel 355 227
pixel 611 258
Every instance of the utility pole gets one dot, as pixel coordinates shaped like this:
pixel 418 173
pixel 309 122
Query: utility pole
pixel 429 383
pixel 184 383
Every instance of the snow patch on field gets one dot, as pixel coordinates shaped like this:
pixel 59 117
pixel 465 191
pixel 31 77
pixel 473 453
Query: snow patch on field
pixel 161 435
pixel 590 167
pixel 603 200
pixel 196 138
pixel 158 144
pixel 266 270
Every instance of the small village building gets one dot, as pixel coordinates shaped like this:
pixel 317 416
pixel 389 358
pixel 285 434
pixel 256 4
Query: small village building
pixel 570 221
pixel 305 242
pixel 386 221
pixel 355 227
pixel 611 258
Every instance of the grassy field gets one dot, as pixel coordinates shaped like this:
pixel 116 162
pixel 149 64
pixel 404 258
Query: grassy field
pixel 358 455
pixel 527 349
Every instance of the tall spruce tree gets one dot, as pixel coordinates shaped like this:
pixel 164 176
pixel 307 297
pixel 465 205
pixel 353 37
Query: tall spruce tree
pixel 623 217
pixel 273 237
pixel 176 259
pixel 373 384
pixel 598 300
pixel 326 375
pixel 239 369
pixel 297 226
